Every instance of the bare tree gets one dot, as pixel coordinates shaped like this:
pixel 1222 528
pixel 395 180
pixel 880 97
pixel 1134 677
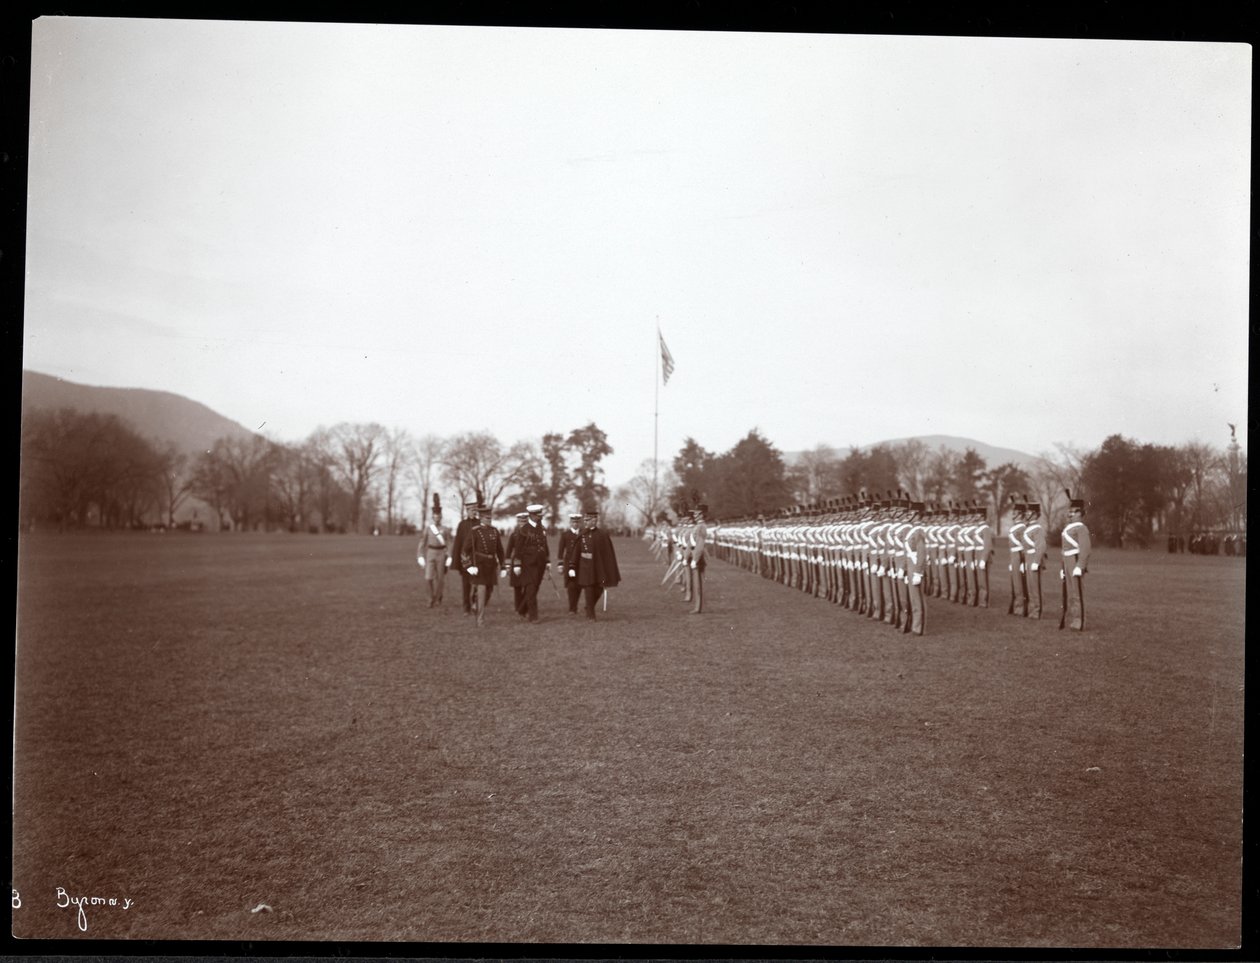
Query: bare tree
pixel 638 492
pixel 1048 482
pixel 212 482
pixel 426 457
pixel 1052 475
pixel 1207 469
pixel 176 479
pixel 318 459
pixel 294 480
pixel 353 451
pixel 912 464
pixel 396 449
pixel 998 482
pixel 476 462
pixel 815 474
pixel 941 469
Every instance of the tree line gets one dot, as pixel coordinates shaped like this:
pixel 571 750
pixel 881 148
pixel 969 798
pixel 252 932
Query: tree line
pixel 1135 491
pixel 84 469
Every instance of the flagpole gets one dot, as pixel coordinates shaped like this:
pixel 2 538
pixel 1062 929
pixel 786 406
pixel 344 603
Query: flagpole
pixel 656 413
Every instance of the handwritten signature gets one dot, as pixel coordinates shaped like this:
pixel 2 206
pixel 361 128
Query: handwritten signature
pixel 65 900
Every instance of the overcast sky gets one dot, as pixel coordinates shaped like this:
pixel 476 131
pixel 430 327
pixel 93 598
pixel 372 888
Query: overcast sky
pixel 844 239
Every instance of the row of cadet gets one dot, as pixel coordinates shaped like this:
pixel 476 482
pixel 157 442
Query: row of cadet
pixel 684 549
pixel 585 558
pixel 884 557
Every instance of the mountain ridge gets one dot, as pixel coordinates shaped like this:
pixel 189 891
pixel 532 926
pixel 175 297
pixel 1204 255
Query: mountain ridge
pixel 993 455
pixel 163 416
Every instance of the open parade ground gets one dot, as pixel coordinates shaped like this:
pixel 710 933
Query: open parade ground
pixel 271 737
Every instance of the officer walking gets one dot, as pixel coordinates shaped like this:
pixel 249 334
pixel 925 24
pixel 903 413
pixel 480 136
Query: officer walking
pixel 528 558
pixel 567 538
pixel 592 561
pixel 466 525
pixel 514 579
pixel 483 557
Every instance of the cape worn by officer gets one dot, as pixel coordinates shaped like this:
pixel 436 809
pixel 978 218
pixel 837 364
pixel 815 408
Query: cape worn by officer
pixel 592 561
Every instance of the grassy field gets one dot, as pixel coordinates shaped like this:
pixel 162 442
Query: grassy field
pixel 208 724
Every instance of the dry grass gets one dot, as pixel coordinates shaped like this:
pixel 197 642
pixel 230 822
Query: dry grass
pixel 209 723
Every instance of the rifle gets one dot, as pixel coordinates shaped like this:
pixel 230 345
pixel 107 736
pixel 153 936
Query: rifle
pixel 1063 577
pixel 673 568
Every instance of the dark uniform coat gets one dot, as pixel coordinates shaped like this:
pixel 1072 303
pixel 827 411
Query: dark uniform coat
pixel 484 549
pixel 567 538
pixel 591 556
pixel 465 526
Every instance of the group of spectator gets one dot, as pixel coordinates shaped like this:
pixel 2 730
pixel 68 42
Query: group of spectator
pixel 1210 543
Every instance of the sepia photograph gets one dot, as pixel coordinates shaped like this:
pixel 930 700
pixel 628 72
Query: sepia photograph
pixel 541 485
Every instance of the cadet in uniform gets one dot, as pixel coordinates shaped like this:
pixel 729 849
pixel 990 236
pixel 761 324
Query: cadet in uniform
pixel 1075 564
pixel 916 566
pixel 483 557
pixel 699 536
pixel 1019 587
pixel 434 553
pixel 1034 557
pixel 984 556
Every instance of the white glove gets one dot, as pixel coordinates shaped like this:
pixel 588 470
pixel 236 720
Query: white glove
pixel 572 573
pixel 693 564
pixel 502 573
pixel 1021 566
pixel 1077 572
pixel 950 560
pixel 982 564
pixel 1036 566
pixel 472 569
pixel 420 561
pixel 516 570
pixel 916 579
pixel 448 561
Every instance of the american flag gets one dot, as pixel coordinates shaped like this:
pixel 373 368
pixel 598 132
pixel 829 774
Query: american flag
pixel 667 360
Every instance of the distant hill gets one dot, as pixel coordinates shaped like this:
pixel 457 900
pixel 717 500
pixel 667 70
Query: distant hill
pixel 158 415
pixel 992 454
